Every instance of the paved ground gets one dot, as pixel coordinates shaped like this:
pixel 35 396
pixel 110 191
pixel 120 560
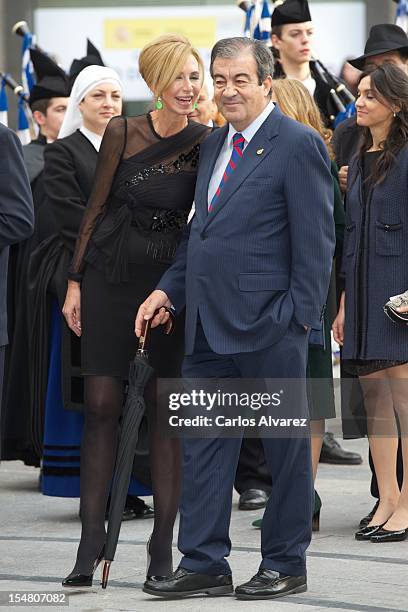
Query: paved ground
pixel 39 534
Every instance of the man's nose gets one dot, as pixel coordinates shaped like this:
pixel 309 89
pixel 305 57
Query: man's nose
pixel 229 90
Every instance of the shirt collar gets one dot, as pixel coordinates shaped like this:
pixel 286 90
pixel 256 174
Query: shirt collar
pixel 94 139
pixel 253 127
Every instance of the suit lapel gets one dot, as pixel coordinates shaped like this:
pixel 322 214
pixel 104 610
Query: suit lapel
pixel 208 157
pixel 261 145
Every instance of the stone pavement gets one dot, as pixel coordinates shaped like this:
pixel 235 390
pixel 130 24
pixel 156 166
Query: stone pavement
pixel 38 539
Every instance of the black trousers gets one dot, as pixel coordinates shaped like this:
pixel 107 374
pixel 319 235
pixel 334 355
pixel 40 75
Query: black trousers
pixel 2 353
pixel 252 471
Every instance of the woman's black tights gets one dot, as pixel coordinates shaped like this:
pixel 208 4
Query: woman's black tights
pixel 103 407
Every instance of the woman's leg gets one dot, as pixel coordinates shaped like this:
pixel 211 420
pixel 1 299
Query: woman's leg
pixel 383 440
pixel 165 465
pixel 398 378
pixel 103 407
pixel 317 432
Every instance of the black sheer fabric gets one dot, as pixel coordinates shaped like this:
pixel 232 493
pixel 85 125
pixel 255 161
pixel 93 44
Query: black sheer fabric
pixel 133 214
pixel 143 191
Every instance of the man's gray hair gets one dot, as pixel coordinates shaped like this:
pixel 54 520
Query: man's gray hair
pixel 228 48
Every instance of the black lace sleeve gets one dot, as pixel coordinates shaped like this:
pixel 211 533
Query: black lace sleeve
pixel 110 153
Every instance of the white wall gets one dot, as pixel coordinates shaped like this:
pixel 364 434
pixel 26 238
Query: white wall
pixel 340 31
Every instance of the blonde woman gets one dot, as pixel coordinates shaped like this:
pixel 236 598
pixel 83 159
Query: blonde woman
pixel 143 191
pixel 294 100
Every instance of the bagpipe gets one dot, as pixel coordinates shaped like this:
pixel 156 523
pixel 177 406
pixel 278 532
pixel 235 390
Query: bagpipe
pixel 21 29
pixel 341 96
pixel 17 89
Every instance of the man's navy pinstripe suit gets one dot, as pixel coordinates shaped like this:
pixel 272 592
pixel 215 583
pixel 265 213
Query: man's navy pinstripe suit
pixel 252 273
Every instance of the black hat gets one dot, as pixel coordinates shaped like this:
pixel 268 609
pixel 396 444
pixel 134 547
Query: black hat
pixel 52 81
pixel 291 11
pixel 383 38
pixel 92 58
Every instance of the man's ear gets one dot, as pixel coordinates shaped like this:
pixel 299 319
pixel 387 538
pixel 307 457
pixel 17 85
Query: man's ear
pixel 267 85
pixel 39 117
pixel 275 41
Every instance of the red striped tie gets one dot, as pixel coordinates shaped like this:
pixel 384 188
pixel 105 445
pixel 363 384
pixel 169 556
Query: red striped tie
pixel 238 142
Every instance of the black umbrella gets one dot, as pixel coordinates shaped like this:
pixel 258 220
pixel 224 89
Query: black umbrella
pixel 139 374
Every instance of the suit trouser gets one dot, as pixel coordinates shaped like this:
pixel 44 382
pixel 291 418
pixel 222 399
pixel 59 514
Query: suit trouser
pixel 209 467
pixel 252 471
pixel 2 354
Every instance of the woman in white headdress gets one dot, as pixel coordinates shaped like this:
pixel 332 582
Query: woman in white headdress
pixel 69 169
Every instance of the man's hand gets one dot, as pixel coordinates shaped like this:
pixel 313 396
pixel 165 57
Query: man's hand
pixel 343 172
pixel 157 300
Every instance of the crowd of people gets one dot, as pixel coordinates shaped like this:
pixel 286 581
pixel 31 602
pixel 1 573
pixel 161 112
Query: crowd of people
pixel 234 206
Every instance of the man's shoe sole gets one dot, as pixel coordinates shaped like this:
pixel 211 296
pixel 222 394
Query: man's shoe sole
pixel 299 589
pixel 342 461
pixel 252 506
pixel 214 591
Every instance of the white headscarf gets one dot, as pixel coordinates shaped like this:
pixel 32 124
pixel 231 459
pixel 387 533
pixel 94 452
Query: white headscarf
pixel 89 78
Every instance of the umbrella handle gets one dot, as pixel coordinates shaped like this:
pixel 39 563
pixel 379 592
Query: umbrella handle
pixel 170 325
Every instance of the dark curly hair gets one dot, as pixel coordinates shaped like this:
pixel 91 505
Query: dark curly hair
pixel 389 85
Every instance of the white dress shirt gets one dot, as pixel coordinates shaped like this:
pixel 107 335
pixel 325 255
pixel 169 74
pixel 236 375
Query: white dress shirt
pixel 94 139
pixel 226 150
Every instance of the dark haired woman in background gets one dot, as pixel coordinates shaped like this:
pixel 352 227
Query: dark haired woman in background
pixel 375 263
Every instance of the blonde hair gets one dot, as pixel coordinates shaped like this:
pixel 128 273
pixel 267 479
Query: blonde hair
pixel 162 60
pixel 295 101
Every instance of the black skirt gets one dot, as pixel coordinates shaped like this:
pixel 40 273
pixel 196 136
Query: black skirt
pixel 108 314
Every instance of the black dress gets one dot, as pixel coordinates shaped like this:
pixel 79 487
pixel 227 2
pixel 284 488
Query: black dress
pixel 143 191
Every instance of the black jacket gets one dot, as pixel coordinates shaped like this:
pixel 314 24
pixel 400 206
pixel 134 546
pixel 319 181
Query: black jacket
pixel 16 210
pixel 67 181
pixel 68 177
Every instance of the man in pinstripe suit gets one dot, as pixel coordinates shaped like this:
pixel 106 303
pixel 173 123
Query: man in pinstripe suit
pixel 253 272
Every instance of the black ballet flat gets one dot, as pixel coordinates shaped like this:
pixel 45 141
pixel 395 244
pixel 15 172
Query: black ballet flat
pixel 384 535
pixel 83 580
pixel 364 534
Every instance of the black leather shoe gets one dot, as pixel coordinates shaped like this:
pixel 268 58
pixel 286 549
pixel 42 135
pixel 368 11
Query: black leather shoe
pixel 384 535
pixel 367 519
pixel 252 499
pixel 135 508
pixel 184 583
pixel 365 533
pixel 268 584
pixel 332 452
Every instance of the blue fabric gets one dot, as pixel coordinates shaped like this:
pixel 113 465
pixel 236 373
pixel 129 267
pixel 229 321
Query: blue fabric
pixel 209 467
pixel 375 263
pixel 263 256
pixel 63 430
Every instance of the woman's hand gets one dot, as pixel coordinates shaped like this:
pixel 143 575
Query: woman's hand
pixel 72 307
pixel 338 323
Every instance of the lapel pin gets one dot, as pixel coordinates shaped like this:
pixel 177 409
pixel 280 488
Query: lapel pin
pixel 260 151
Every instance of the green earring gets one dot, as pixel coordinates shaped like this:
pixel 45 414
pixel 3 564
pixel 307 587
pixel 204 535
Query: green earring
pixel 159 103
pixel 195 105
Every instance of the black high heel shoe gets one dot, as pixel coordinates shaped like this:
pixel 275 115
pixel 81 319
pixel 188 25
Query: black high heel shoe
pixel 150 577
pixel 83 580
pixel 316 512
